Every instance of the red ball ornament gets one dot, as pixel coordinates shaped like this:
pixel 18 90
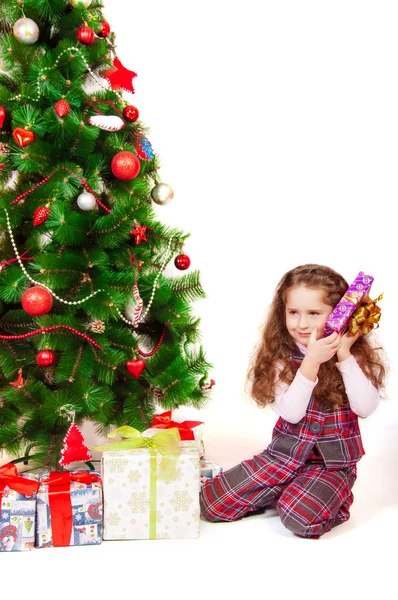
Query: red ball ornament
pixel 45 358
pixel 182 262
pixel 135 367
pixel 62 108
pixel 130 113
pixel 85 35
pixel 37 301
pixel 41 215
pixel 3 115
pixel 125 165
pixel 104 29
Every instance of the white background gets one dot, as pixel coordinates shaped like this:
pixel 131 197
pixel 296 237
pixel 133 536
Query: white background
pixel 276 125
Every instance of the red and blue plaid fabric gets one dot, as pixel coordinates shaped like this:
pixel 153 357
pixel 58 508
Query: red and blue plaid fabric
pixel 307 473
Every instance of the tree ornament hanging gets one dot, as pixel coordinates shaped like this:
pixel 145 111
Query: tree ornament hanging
pixel 97 326
pixel 74 447
pixel 104 29
pixel 62 108
pixel 135 367
pixel 125 165
pixel 45 358
pixel 4 149
pixel 37 301
pixel 206 384
pixel 133 309
pixel 23 137
pixel 120 78
pixel 107 122
pixel 26 31
pixel 182 262
pixel 144 149
pixel 20 381
pixel 85 35
pixel 139 233
pixel 86 3
pixel 41 215
pixel 130 113
pixel 86 201
pixel 3 115
pixel 162 194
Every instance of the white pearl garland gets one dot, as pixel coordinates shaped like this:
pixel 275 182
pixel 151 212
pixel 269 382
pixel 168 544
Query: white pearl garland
pixel 162 267
pixel 38 282
pixel 55 65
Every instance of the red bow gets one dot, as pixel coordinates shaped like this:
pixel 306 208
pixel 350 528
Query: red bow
pixel 60 502
pixel 163 421
pixel 9 478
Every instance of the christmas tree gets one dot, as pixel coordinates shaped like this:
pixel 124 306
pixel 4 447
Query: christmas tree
pixel 89 322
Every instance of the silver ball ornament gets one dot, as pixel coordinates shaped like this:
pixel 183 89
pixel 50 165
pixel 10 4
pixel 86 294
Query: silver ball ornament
pixel 86 3
pixel 162 194
pixel 26 31
pixel 86 201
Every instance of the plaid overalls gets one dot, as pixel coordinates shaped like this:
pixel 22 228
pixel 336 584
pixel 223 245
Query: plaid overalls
pixel 307 473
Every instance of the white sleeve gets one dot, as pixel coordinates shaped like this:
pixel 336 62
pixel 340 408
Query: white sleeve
pixel 291 401
pixel 362 394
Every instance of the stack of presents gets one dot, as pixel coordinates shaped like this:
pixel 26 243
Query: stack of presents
pixel 148 488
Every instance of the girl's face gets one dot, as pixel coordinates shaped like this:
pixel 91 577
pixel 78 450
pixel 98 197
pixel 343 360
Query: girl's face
pixel 305 308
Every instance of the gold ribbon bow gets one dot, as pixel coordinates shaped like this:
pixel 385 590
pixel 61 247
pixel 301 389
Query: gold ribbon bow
pixel 366 317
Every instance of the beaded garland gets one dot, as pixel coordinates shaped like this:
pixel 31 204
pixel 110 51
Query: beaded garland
pixel 55 66
pixel 76 302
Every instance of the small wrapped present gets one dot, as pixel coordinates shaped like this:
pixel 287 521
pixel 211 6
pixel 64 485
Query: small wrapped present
pixel 338 320
pixel 208 469
pixel 69 509
pixel 17 509
pixel 151 485
pixel 189 430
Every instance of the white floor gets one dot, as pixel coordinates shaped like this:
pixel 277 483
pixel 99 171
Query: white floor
pixel 255 554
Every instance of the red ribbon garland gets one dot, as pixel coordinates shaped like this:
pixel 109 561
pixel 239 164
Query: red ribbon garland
pixel 60 502
pixel 9 478
pixel 163 421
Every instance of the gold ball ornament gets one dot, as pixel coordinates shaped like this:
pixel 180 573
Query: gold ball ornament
pixel 162 194
pixel 26 31
pixel 86 3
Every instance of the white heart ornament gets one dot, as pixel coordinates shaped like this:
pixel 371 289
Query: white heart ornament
pixel 107 122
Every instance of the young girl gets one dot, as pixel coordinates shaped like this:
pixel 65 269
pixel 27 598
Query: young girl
pixel 319 387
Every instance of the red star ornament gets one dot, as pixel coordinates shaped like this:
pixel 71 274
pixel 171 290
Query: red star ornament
pixel 19 382
pixel 120 77
pixel 139 233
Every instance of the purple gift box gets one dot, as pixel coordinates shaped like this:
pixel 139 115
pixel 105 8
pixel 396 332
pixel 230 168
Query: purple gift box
pixel 338 319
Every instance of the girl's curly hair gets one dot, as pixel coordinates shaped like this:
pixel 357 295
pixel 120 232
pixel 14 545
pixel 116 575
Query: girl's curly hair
pixel 277 345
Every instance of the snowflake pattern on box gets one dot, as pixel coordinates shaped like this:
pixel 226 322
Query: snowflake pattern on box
pixel 181 501
pixel 17 520
pixel 86 502
pixel 134 476
pixel 128 496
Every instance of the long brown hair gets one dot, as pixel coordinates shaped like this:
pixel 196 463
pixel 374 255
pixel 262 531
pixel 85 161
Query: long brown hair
pixel 277 345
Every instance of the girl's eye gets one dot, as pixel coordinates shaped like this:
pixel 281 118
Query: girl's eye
pixel 314 313
pixel 292 312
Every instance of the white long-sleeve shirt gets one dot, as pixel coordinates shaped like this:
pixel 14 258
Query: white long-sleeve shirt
pixel 291 401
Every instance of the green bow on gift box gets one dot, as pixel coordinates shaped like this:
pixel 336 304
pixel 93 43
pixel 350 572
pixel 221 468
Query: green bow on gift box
pixel 165 443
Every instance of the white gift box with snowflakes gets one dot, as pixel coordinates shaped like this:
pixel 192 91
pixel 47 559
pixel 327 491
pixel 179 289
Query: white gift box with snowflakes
pixel 131 512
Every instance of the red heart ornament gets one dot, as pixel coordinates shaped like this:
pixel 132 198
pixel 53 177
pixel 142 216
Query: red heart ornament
pixel 23 137
pixel 135 367
pixel 3 115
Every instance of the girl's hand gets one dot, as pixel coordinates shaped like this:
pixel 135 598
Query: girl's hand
pixel 320 351
pixel 347 341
